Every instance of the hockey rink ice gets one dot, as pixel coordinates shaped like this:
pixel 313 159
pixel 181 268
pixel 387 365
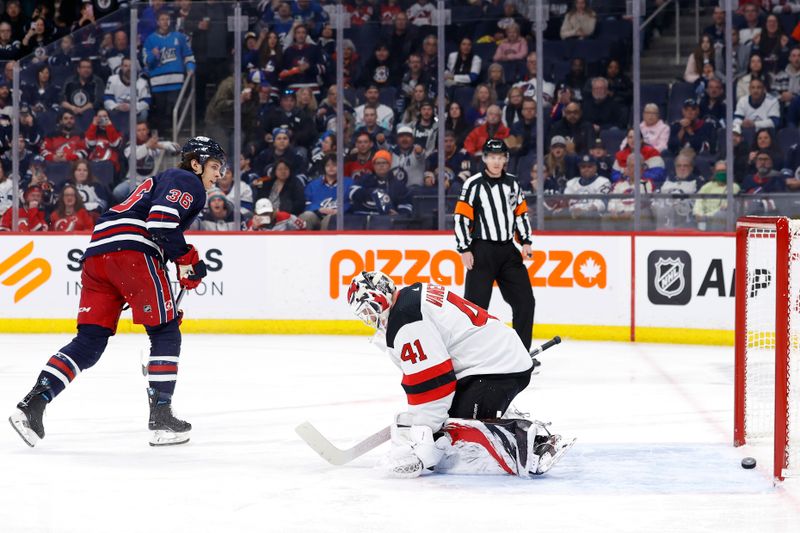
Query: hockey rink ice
pixel 653 422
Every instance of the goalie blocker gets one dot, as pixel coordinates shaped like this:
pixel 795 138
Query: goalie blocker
pixel 458 362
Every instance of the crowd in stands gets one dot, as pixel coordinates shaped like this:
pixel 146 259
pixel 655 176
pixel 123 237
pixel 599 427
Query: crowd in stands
pixel 76 81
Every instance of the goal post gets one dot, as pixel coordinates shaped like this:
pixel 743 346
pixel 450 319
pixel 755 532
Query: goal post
pixel 767 365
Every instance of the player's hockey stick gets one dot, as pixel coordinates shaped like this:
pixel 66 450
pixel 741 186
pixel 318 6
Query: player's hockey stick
pixel 337 456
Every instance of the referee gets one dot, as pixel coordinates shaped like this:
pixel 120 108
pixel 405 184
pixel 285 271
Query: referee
pixel 490 212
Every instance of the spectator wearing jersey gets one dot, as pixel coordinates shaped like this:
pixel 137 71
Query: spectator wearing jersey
pixel 103 140
pixel 380 69
pixel 6 191
pixel 117 97
pixel 147 151
pixel 712 103
pixel 589 182
pixel 654 170
pixel 359 161
pixel 654 131
pixel 385 113
pixel 457 164
pixel 36 176
pixel 528 83
pixel 70 214
pixel 493 128
pixel 676 212
pixel 83 92
pixel 321 193
pixel 785 85
pixel 64 144
pixel 601 110
pixel 289 117
pixel 426 128
pixel 36 39
pixel 759 109
pixel 31 216
pixel 605 162
pixel 765 179
pixel 168 59
pixel 360 11
pixel 43 94
pixel 382 192
pixel 10 49
pixel 691 130
pixel 311 15
pixel 421 13
pixel 463 66
pixel 95 195
pixel 281 149
pixel 302 62
pixel 578 133
pixel 408 159
pixel 624 208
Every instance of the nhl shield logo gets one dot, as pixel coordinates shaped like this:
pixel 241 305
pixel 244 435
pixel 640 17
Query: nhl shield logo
pixel 669 280
pixel 669 277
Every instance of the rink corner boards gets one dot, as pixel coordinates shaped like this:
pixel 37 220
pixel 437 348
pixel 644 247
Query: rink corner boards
pixel 349 327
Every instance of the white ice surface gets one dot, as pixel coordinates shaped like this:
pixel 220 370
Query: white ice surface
pixel 653 454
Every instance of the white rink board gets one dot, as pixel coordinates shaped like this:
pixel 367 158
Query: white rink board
pixel 303 277
pixel 703 298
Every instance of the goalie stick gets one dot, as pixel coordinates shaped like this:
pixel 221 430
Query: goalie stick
pixel 337 456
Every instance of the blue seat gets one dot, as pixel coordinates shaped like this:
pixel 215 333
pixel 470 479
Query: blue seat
pixel 612 138
pixel 786 138
pixel 388 96
pixel 556 50
pixel 57 172
pixel 679 92
pixel 463 95
pixel 591 50
pixel 103 171
pixel 485 51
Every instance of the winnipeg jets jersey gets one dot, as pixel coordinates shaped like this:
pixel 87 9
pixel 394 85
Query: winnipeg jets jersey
pixel 436 338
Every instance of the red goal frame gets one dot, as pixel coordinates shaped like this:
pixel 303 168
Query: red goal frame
pixel 782 246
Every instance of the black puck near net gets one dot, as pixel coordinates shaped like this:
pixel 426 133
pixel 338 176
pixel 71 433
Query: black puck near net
pixel 748 463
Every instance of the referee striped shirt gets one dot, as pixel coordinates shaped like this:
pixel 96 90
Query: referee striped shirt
pixel 491 209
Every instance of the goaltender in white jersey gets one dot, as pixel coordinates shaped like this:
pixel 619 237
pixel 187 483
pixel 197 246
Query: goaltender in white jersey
pixel 461 369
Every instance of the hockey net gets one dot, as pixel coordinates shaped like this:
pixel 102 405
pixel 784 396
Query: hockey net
pixel 767 377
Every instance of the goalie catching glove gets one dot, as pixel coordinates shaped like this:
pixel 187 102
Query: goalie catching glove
pixel 414 448
pixel 191 269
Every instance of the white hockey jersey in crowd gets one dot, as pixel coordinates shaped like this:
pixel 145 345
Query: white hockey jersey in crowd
pixel 436 338
pixel 118 93
pixel 598 185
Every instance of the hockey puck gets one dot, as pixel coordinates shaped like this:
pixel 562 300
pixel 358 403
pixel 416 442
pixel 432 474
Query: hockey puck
pixel 748 463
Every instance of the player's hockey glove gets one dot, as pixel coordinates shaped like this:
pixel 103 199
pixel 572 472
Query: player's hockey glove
pixel 415 449
pixel 191 269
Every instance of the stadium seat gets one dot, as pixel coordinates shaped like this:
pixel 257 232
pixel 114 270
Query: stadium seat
pixel 485 51
pixel 703 164
pixel 463 95
pixel 57 172
pixel 656 93
pixel 524 167
pixel 591 50
pixel 355 222
pixel 103 171
pixel 612 138
pixel 679 92
pixel 786 138
pixel 556 50
pixel 388 96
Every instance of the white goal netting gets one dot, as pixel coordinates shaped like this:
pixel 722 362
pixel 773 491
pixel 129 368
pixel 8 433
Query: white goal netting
pixel 762 303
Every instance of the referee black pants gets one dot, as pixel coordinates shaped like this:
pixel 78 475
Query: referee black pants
pixel 502 262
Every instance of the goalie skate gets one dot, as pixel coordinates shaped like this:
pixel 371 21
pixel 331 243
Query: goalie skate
pixel 549 452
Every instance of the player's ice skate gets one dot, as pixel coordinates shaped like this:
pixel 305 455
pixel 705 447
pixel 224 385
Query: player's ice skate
pixel 27 418
pixel 167 430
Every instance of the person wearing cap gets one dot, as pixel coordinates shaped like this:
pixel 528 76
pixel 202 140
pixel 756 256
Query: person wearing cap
pixel 589 182
pixel 321 194
pixel 408 158
pixel 31 216
pixel 282 148
pixel 385 113
pixel 691 130
pixel 218 214
pixel 381 192
pixel 490 214
pixel 605 163
pixel 288 116
pixel 759 109
pixel 493 128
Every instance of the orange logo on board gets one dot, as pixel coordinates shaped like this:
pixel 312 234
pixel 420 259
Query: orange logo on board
pixel 36 265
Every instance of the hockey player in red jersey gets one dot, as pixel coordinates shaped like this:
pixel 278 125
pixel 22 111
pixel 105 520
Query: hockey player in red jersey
pixel 461 369
pixel 125 263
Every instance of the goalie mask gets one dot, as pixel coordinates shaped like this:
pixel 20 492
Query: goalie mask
pixel 370 297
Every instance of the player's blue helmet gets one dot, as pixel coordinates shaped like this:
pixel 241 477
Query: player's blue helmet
pixel 370 297
pixel 205 148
